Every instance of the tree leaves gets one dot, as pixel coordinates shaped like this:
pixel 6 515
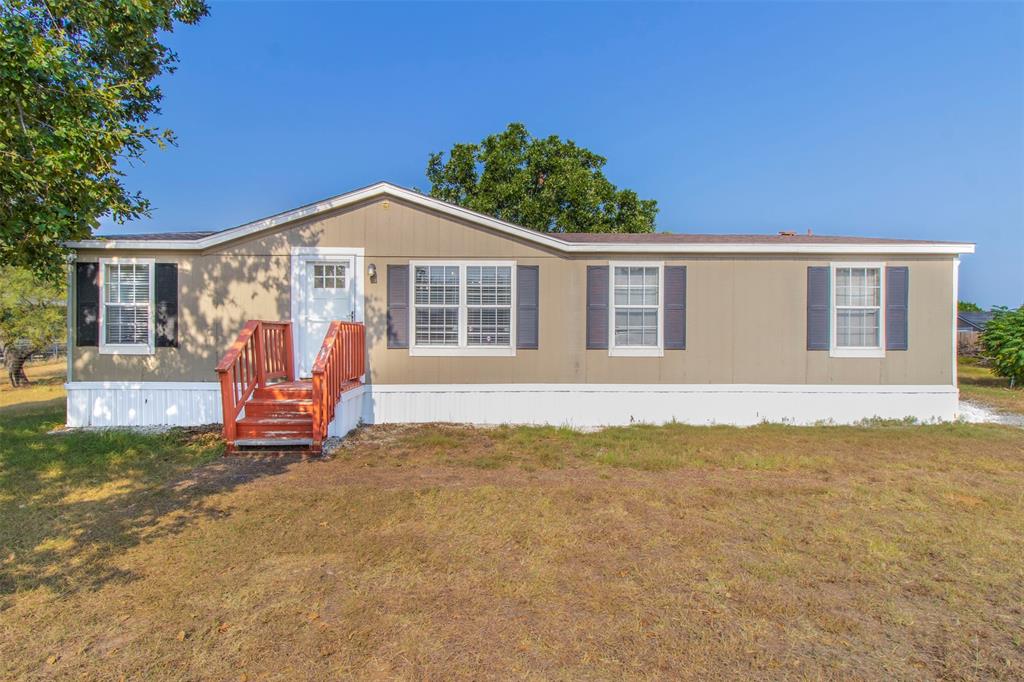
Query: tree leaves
pixel 76 91
pixel 32 312
pixel 1002 343
pixel 549 184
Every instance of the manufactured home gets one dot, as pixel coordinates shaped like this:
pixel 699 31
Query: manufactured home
pixel 385 305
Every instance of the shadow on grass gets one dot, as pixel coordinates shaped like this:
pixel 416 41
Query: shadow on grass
pixel 72 503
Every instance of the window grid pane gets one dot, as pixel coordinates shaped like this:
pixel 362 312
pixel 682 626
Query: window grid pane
pixel 636 305
pixel 127 283
pixel 636 327
pixel 489 327
pixel 857 328
pixel 488 285
pixel 437 326
pixel 126 294
pixel 437 285
pixel 858 300
pixel 329 276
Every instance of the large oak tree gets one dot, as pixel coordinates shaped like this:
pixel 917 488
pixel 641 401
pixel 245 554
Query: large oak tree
pixel 76 93
pixel 547 184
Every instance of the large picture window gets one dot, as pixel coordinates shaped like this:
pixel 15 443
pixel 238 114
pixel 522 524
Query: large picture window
pixel 463 308
pixel 636 317
pixel 858 299
pixel 126 314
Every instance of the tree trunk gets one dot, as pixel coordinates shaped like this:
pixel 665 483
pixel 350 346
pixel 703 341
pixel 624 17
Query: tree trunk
pixel 16 366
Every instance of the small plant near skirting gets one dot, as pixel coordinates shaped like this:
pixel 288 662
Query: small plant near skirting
pixel 1003 344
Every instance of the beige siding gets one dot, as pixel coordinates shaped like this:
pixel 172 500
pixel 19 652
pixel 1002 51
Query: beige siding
pixel 746 318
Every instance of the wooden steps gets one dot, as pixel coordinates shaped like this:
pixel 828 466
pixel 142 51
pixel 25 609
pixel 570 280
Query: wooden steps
pixel 265 409
pixel 280 412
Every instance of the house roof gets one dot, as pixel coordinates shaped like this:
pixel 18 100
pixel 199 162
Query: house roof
pixel 690 238
pixel 567 242
pixel 974 320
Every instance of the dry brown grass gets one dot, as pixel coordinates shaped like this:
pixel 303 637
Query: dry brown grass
pixel 47 385
pixel 977 383
pixel 437 551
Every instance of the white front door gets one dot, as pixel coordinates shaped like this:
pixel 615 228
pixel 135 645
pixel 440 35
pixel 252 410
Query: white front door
pixel 329 293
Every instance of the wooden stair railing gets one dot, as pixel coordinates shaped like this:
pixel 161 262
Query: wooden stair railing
pixel 257 375
pixel 339 366
pixel 262 353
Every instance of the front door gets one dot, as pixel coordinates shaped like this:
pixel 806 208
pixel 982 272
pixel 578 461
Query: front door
pixel 329 294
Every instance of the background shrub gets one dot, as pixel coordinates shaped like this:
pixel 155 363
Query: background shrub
pixel 1003 344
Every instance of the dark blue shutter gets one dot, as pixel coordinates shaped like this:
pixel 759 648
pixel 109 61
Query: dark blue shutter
pixel 165 278
pixel 818 293
pixel 597 307
pixel 675 307
pixel 527 306
pixel 87 304
pixel 897 289
pixel 398 306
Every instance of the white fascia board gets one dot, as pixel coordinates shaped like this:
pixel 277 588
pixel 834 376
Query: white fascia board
pixel 387 189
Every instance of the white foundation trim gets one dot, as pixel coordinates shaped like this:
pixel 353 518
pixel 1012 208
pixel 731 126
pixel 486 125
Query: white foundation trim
pixel 193 403
pixel 143 403
pixel 349 413
pixel 616 404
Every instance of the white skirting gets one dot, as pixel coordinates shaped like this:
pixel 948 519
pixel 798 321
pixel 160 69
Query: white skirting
pixel 616 404
pixel 349 412
pixel 143 403
pixel 185 404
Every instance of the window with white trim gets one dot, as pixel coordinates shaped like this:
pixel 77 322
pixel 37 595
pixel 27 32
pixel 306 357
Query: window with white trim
pixel 857 301
pixel 463 308
pixel 126 315
pixel 636 315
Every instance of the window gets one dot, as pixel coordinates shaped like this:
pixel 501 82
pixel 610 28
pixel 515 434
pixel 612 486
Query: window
pixel 857 301
pixel 489 305
pixel 636 309
pixel 126 316
pixel 329 276
pixel 437 305
pixel 463 308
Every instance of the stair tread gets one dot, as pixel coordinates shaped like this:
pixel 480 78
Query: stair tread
pixel 301 383
pixel 276 442
pixel 277 420
pixel 280 401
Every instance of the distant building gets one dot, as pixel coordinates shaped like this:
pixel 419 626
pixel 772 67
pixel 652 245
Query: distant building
pixel 972 322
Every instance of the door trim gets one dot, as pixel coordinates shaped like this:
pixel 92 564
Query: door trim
pixel 299 256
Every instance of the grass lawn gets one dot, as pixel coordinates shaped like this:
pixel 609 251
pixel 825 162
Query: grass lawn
pixel 890 551
pixel 977 383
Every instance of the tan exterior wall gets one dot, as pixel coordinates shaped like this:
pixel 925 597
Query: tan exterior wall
pixel 746 317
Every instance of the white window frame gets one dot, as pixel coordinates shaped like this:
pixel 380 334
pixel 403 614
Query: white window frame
pixel 636 351
pixel 463 348
pixel 147 348
pixel 837 351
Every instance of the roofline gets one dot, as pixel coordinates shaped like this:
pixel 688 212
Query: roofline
pixel 387 189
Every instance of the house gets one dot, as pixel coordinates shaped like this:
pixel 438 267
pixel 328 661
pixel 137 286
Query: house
pixel 973 322
pixel 404 308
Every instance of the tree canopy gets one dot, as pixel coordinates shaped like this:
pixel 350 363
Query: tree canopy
pixel 32 316
pixel 968 307
pixel 549 184
pixel 76 92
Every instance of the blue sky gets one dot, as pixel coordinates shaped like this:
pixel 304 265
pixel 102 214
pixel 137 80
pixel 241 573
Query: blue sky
pixel 882 119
